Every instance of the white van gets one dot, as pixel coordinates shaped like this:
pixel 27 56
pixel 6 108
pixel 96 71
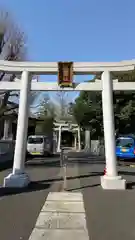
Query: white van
pixel 39 145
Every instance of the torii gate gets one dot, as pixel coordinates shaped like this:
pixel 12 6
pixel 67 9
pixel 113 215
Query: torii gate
pixel 65 126
pixel 18 177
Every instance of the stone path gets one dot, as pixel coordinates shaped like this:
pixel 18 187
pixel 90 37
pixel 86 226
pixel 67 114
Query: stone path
pixel 62 217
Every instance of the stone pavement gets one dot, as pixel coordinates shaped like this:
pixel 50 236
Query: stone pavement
pixel 109 214
pixel 19 208
pixel 62 217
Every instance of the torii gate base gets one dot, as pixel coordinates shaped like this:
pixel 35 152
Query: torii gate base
pixel 113 183
pixel 16 180
pixel 18 177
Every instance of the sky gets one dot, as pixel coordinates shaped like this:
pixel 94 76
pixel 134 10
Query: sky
pixel 76 30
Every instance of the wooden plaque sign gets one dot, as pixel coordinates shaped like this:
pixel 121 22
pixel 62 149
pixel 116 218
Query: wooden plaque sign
pixel 65 74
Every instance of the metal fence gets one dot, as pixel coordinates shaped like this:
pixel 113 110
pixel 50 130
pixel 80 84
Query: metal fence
pixel 7 148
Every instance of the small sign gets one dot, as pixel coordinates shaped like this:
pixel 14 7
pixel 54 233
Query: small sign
pixel 65 74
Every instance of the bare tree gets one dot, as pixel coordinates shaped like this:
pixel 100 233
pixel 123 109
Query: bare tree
pixel 12 48
pixel 61 97
pixel 46 107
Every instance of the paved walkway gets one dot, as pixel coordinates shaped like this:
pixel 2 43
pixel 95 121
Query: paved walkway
pixel 109 214
pixel 20 208
pixel 62 217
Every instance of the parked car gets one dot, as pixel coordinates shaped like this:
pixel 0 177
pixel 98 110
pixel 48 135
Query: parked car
pixel 7 148
pixel 125 147
pixel 39 145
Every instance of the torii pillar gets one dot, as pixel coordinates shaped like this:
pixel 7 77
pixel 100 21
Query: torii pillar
pixel 110 180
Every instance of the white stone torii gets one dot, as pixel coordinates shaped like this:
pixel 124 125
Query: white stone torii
pixel 59 127
pixel 18 177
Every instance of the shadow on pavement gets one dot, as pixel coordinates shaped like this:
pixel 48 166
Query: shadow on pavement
pixel 70 178
pixel 93 174
pixel 126 173
pixel 42 163
pixel 130 184
pixel 87 161
pixel 33 186
pixel 6 165
pixel 79 188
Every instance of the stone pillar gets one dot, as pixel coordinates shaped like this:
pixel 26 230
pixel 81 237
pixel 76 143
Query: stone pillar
pixel 75 141
pixel 111 180
pixel 54 142
pixel 87 140
pixel 18 178
pixel 7 129
pixel 59 140
pixel 7 134
pixel 79 139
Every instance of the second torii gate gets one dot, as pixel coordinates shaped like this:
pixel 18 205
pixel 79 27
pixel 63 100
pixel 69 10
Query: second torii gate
pixel 65 126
